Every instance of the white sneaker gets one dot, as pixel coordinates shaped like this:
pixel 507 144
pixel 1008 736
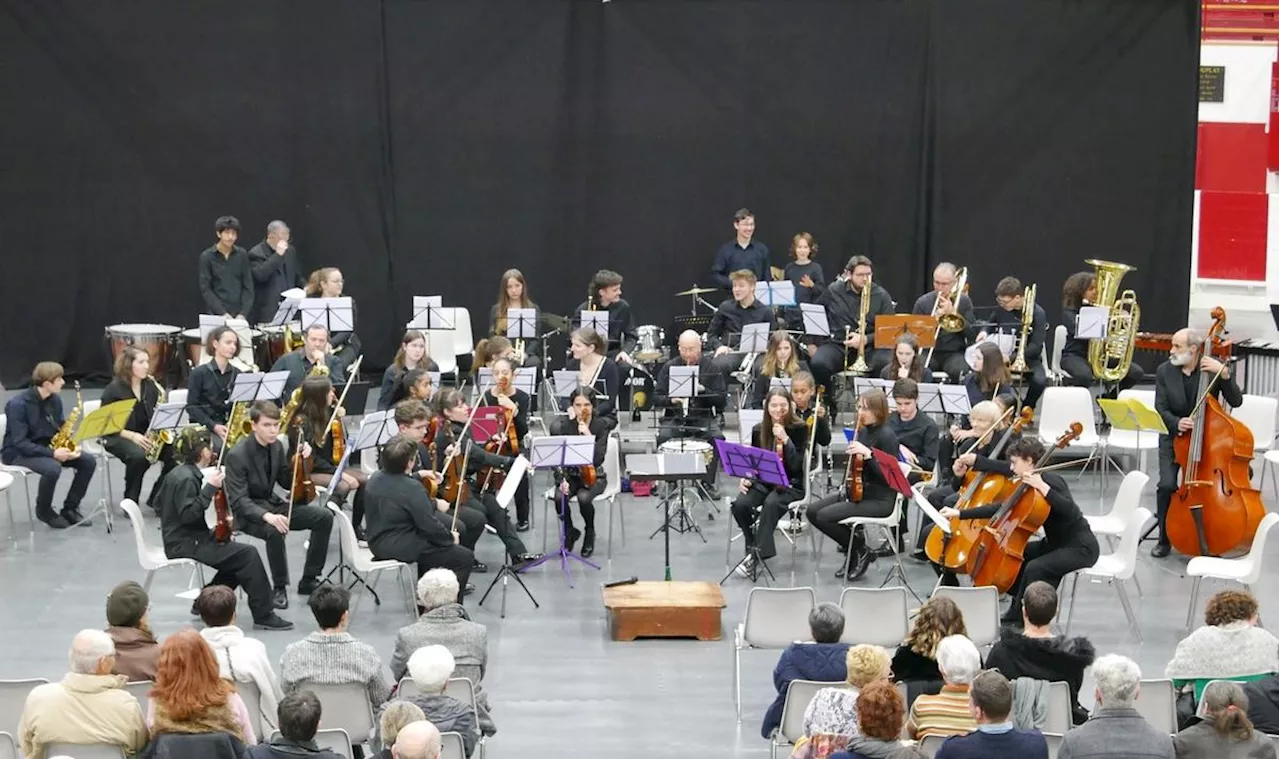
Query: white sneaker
pixel 746 567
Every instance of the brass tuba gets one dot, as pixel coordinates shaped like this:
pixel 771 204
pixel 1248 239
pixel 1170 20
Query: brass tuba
pixel 1111 356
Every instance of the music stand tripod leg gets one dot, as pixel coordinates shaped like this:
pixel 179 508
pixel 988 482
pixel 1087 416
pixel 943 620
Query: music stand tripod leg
pixel 506 573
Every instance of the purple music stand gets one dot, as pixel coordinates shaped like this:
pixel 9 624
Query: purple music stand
pixel 758 465
pixel 559 452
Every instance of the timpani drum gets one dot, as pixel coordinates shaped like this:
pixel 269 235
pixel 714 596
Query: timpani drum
pixel 158 340
pixel 689 445
pixel 194 347
pixel 268 345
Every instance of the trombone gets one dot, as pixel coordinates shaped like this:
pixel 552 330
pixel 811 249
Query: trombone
pixel 949 322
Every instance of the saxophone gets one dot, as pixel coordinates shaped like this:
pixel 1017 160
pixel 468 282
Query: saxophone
pixel 1111 356
pixel 238 424
pixel 158 438
pixel 1019 365
pixel 295 398
pixel 62 438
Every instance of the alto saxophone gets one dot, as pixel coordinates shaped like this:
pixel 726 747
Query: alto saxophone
pixel 158 438
pixel 62 438
pixel 238 424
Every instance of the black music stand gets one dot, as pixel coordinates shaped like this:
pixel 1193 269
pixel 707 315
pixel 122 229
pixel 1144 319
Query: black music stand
pixel 334 314
pixel 107 420
pixel 667 467
pixel 258 386
pixel 597 320
pixel 758 465
pixel 776 294
pixel 519 470
pixel 558 452
pixel 429 313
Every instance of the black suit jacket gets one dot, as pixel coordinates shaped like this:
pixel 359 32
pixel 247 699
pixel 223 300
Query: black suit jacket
pixel 704 403
pixel 296 364
pixel 183 499
pixel 402 522
pixel 272 275
pixel 1173 402
pixel 252 472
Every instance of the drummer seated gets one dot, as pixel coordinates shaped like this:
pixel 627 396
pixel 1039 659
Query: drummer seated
pixel 315 351
pixel 697 417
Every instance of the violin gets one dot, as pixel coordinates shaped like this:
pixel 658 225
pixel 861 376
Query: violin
pixel 507 445
pixel 979 489
pixel 1215 509
pixel 853 477
pixel 303 489
pixel 456 486
pixel 339 441
pixel 997 555
pixel 587 473
pixel 221 527
pixel 335 427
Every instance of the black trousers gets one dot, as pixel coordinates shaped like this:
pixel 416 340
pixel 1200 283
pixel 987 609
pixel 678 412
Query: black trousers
pixel 306 516
pixel 1036 381
pixel 471 521
pixel 136 464
pixel 237 565
pixel 456 558
pixel 50 470
pixel 497 518
pixel 825 514
pixel 1081 374
pixel 772 504
pixel 586 497
pixel 951 362
pixel 1167 485
pixel 829 361
pixel 522 501
pixel 1050 562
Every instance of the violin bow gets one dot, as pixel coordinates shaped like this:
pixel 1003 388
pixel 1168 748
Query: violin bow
pixel 983 438
pixel 351 375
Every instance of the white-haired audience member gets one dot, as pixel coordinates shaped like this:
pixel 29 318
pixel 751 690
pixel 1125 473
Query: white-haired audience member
pixel 395 717
pixel 89 705
pixel 444 622
pixel 947 713
pixel 430 668
pixel 418 740
pixel 1225 732
pixel 1115 728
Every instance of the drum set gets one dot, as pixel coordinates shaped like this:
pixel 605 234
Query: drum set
pixel 163 343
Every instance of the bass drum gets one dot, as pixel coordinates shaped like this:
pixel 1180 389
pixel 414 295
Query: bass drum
pixel 158 340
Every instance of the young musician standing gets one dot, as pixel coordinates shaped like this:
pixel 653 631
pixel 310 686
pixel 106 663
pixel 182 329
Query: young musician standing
pixel 732 315
pixel 805 273
pixel 254 466
pixel 515 402
pixel 210 384
pixel 1008 321
pixel 580 421
pixel 34 417
pixel 696 417
pixel 1081 289
pixel 605 294
pixel 780 430
pixel 344 345
pixel 226 278
pixel 182 498
pixel 315 351
pixel 275 267
pixel 780 359
pixel 1068 543
pixel 133 381
pixel 742 253
pixel 412 355
pixel 948 349
pixel 589 360
pixel 877 496
pixel 311 420
pixel 1177 396
pixel 843 302
pixel 514 293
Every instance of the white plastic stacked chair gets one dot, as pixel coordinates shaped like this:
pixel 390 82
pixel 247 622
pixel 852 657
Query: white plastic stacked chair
pixel 775 618
pixel 799 694
pixel 1116 568
pixel 151 558
pixel 980 608
pixel 1245 570
pixel 19 473
pixel 876 616
pixel 362 562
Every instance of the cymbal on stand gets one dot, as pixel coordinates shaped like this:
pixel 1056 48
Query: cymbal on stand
pixel 696 290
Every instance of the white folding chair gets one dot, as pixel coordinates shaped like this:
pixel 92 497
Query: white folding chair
pixel 151 558
pixel 1111 525
pixel 252 698
pixel 612 490
pixel 20 473
pixel 1245 570
pixel 1063 406
pixel 361 562
pixel 889 523
pixel 140 689
pixel 1115 568
pixel 8 746
pixel 930 745
pixel 13 699
pixel 440 349
pixel 775 618
pixel 877 616
pixel 1058 715
pixel 1156 703
pixel 452 747
pixel 6 482
pixel 463 342
pixel 462 689
pixel 1056 375
pixel 335 740
pixel 980 608
pixel 84 750
pixel 1136 441
pixel 344 707
pixel 799 694
pixel 1055 743
pixel 1258 412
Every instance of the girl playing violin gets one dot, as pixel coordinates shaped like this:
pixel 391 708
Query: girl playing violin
pixel 877 497
pixel 515 402
pixel 785 433
pixel 312 418
pixel 1068 545
pixel 573 480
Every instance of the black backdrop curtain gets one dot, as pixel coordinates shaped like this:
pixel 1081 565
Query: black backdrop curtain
pixel 424 147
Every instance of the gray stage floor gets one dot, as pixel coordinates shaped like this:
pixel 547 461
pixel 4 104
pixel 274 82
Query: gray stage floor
pixel 557 683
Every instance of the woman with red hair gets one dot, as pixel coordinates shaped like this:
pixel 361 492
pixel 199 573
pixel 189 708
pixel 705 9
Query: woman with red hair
pixel 190 698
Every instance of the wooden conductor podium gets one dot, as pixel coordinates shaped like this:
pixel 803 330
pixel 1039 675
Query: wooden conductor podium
pixel 664 610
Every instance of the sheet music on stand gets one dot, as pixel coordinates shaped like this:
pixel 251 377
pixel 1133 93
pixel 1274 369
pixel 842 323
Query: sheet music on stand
pixel 375 430
pixel 554 451
pixel 943 399
pixel 780 294
pixel 258 386
pixel 755 338
pixel 522 324
pixel 564 382
pixel 782 382
pixel 1091 322
pixel 169 416
pixel 429 313
pixel 286 311
pixel 682 382
pixel 863 384
pixel 815 320
pixel 334 314
pixel 597 320
pixel 525 379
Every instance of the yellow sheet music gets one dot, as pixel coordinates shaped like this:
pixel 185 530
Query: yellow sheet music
pixel 1132 414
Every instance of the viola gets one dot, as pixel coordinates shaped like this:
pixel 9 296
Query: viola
pixel 222 527
pixel 303 487
pixel 1215 509
pixel 853 479
pixel 507 445
pixel 456 486
pixel 588 473
pixel 998 553
pixel 339 441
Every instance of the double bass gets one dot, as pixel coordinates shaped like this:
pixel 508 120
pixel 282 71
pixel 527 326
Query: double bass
pixel 979 489
pixel 998 552
pixel 1215 509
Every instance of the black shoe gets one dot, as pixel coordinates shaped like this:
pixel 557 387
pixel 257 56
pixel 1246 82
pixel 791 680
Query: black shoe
pixel 469 589
pixel 571 538
pixel 1160 551
pixel 359 532
pixel 75 518
pixel 525 558
pixel 307 586
pixel 53 520
pixel 885 550
pixel 861 561
pixel 280 598
pixel 840 572
pixel 588 543
pixel 479 567
pixel 273 622
pixel 919 556
pixel 523 526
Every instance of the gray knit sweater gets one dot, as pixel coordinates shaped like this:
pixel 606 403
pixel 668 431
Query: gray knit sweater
pixel 334 659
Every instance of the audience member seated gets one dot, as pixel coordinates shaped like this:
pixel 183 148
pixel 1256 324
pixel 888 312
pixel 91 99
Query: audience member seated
pixel 880 711
pixel 445 622
pixel 1115 729
pixel 241 659
pixel 89 704
pixel 1039 654
pixel 430 668
pixel 831 718
pixel 417 740
pixel 1225 731
pixel 947 712
pixel 299 719
pixel 991 701
pixel 395 716
pixel 914 662
pixel 137 651
pixel 190 697
pixel 822 660
pixel 1264 704
pixel 330 656
pixel 1230 646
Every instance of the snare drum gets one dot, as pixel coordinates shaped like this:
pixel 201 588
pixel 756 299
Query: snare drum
pixel 649 343
pixel 689 445
pixel 158 340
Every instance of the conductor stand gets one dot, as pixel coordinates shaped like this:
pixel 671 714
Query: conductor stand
pixel 559 452
pixel 673 468
pixel 519 470
pixel 375 430
pixel 107 420
pixel 759 466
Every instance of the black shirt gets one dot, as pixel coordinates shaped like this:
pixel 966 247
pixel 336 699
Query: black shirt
pixel 1177 393
pixel 732 257
pixel 950 342
pixel 796 271
pixel 874 482
pixel 272 275
pixel 1010 323
pixel 704 403
pixel 226 282
pixel 521 399
pixel 298 365
pixel 843 306
pixel 401 518
pixel 1073 346
pixel 792 451
pixel 606 405
pixel 728 320
pixel 209 394
pixel 392 390
pixel 183 498
pixel 920 436
pixel 622 325
pixel 140 417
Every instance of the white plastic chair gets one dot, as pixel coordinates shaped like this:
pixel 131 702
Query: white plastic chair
pixel 8 746
pixel 344 707
pixel 612 489
pixel 1062 406
pixel 1056 375
pixel 1111 525
pixel 890 524
pixel 748 418
pixel 1055 743
pixel 1258 412
pixel 1156 703
pixel 980 608
pixel 1245 570
pixel 452 747
pixel 139 690
pixel 930 745
pixel 84 750
pixel 1269 459
pixel 775 618
pixel 20 473
pixel 799 694
pixel 6 482
pixel 95 449
pixel 252 698
pixel 877 616
pixel 13 699
pixel 1058 715
pixel 440 349
pixel 361 562
pixel 369 461
pixel 333 739
pixel 151 558
pixel 1115 568
pixel 1132 440
pixel 463 341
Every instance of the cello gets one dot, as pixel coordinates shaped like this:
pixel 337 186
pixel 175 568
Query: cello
pixel 1215 509
pixel 998 552
pixel 980 489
